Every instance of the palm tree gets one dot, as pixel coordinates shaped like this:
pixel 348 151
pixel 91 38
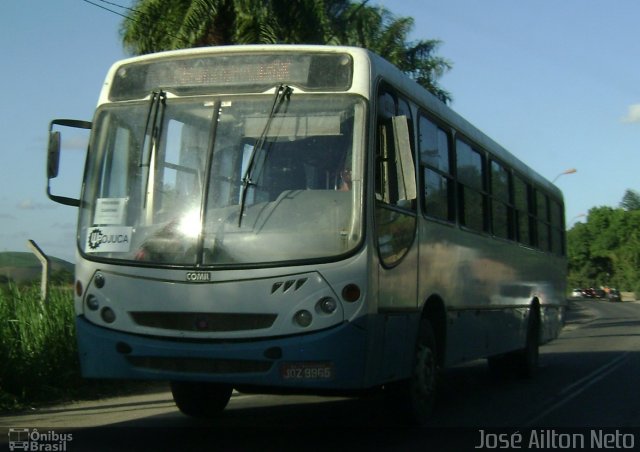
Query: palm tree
pixel 155 25
pixel 379 30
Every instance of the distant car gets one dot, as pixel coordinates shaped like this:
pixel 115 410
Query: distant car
pixel 599 293
pixel 589 293
pixel 577 293
pixel 614 295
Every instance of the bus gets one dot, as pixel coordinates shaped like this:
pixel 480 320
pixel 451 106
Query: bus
pixel 302 219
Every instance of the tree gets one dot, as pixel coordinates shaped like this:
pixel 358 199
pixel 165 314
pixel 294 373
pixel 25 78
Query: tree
pixel 630 200
pixel 156 25
pixel 606 250
pixel 379 30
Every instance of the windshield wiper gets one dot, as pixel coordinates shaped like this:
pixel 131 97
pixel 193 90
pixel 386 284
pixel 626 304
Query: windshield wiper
pixel 283 92
pixel 147 159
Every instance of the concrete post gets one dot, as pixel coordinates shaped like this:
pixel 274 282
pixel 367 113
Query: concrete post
pixel 46 268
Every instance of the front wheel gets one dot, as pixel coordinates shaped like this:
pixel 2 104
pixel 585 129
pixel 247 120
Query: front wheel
pixel 200 399
pixel 415 397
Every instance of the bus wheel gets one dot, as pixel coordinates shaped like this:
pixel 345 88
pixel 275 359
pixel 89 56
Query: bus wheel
pixel 415 397
pixel 200 399
pixel 527 359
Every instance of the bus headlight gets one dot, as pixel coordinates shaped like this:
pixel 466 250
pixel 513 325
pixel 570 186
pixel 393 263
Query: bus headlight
pixel 92 302
pixel 327 305
pixel 99 280
pixel 303 318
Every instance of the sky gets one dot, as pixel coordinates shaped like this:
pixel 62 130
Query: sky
pixel 557 83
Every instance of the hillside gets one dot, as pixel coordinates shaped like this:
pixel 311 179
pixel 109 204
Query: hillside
pixel 25 267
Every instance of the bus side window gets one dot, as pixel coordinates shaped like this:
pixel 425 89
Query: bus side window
pixel 395 171
pixel 472 197
pixel 437 200
pixel 384 146
pixel 395 182
pixel 522 209
pixel 542 223
pixel 501 211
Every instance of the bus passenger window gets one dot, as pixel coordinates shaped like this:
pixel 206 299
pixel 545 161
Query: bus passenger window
pixel 437 181
pixel 500 202
pixel 470 171
pixel 521 201
pixel 542 210
pixel 436 195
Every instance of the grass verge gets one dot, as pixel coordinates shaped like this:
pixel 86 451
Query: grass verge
pixel 38 351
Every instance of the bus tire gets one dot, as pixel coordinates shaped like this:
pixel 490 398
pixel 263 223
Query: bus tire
pixel 415 398
pixel 526 360
pixel 200 399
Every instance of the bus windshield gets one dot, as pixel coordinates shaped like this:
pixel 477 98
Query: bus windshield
pixel 224 180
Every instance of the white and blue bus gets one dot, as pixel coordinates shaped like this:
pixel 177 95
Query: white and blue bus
pixel 302 219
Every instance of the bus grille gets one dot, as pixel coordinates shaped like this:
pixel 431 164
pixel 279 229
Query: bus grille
pixel 194 321
pixel 200 365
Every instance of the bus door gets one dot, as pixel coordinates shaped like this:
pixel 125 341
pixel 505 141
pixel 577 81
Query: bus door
pixel 395 230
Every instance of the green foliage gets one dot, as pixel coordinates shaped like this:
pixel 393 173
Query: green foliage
pixel 630 200
pixel 38 353
pixel 156 25
pixel 605 251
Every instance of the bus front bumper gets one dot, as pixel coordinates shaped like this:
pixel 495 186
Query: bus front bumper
pixel 327 359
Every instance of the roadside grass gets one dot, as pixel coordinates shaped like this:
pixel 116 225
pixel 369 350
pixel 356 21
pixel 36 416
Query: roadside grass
pixel 38 351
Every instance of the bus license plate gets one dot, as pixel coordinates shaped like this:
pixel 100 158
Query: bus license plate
pixel 307 371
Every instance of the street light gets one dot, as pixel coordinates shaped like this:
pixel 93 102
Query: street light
pixel 569 171
pixel 575 218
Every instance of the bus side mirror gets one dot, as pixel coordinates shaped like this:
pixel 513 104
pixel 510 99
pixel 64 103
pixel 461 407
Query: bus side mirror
pixel 53 155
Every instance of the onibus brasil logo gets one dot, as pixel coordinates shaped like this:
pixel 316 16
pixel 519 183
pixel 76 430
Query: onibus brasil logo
pixel 33 440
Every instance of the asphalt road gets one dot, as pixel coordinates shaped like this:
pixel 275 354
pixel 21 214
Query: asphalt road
pixel 586 393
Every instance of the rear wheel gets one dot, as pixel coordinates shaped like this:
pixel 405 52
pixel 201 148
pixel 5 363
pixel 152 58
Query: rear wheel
pixel 200 399
pixel 527 358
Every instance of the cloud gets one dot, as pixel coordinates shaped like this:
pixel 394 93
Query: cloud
pixel 633 114
pixel 28 204
pixel 71 141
